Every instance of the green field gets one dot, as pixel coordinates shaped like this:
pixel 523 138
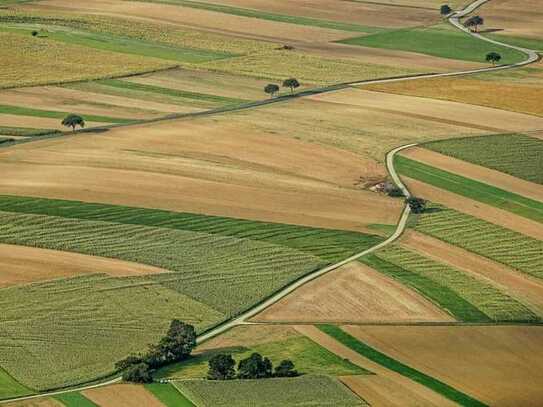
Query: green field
pixel 472 189
pixel 465 297
pixel 503 245
pixel 10 388
pixel 309 358
pixel 439 41
pixel 74 399
pixel 518 155
pixel 306 391
pixel 169 395
pixel 529 43
pixel 397 366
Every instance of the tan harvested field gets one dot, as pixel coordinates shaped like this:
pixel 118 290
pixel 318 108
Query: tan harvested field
pixel 375 391
pixel 22 265
pixel 354 293
pixel 122 395
pixel 229 169
pixel 518 285
pixel 520 18
pixel 499 365
pixel 194 18
pixel 40 402
pixel 12 120
pixel 477 209
pixel 513 95
pixel 476 172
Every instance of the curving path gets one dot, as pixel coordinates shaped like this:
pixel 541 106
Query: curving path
pixel 454 19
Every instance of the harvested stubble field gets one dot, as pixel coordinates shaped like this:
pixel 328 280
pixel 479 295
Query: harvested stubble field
pixel 299 391
pixel 517 18
pixel 497 243
pixel 500 366
pixel 122 395
pixel 467 297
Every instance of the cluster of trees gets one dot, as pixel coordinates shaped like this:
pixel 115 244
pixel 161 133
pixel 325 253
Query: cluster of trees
pixel 175 346
pixel 222 367
pixel 292 83
pixel 417 205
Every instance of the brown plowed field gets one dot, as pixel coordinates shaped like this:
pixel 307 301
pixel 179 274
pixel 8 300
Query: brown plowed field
pixel 21 265
pixel 122 395
pixel 499 365
pixel 353 293
pixel 414 393
pixel 477 209
pixel 208 165
pixel 521 286
pixel 476 172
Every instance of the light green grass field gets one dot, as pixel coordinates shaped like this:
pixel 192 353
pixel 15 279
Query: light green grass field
pixel 503 245
pixel 397 366
pixel 464 296
pixel 9 387
pixel 518 155
pixel 439 41
pixel 74 399
pixel 169 395
pixel 472 189
pixel 306 391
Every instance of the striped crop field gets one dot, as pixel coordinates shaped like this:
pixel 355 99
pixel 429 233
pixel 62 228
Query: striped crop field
pixel 518 155
pixel 497 243
pixel 465 297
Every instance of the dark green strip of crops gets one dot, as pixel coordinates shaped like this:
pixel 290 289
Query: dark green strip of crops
pixel 446 298
pixel 169 395
pixel 378 357
pixel 264 15
pixel 172 92
pixel 469 188
pixel 25 111
pixel 330 245
pixel 74 399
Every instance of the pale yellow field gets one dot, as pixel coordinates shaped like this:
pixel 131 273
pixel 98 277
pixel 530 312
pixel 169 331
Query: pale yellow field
pixel 521 18
pixel 40 402
pixel 122 395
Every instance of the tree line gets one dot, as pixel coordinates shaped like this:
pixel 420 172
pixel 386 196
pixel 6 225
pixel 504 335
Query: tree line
pixel 271 88
pixel 222 367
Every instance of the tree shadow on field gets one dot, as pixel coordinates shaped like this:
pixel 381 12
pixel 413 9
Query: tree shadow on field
pixel 490 30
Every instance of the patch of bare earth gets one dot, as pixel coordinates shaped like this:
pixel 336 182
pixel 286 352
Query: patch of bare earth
pixel 122 395
pixel 475 208
pixel 21 265
pixel 353 293
pixel 521 286
pixel 499 365
pixel 376 391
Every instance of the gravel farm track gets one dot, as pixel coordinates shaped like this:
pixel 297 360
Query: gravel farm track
pixel 454 19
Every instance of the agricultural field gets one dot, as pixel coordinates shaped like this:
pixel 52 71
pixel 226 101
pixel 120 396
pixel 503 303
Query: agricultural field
pixel 299 391
pixel 122 395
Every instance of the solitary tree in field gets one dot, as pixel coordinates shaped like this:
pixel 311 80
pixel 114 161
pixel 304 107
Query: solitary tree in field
pixel 73 120
pixel 35 33
pixel 271 89
pixel 474 22
pixel 291 83
pixel 493 57
pixel 221 367
pixel 417 205
pixel 445 10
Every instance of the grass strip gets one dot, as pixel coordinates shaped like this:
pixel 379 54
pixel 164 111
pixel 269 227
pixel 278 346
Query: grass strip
pixel 26 132
pixel 169 395
pixel 9 387
pixel 478 191
pixel 74 399
pixel 374 355
pixel 264 15
pixel 26 111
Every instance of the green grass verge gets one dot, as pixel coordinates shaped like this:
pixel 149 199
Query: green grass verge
pixel 26 111
pixel 497 243
pixel 26 132
pixel 518 155
pixel 264 15
pixel 169 395
pixel 307 391
pixel 478 191
pixel 10 388
pixel 378 357
pixel 439 42
pixel 74 399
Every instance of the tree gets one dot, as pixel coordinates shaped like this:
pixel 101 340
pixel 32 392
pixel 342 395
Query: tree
pixel 445 10
pixel 286 369
pixel 35 33
pixel 474 22
pixel 417 205
pixel 73 120
pixel 221 367
pixel 291 83
pixel 128 362
pixel 493 57
pixel 139 373
pixel 271 89
pixel 178 343
pixel 255 367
